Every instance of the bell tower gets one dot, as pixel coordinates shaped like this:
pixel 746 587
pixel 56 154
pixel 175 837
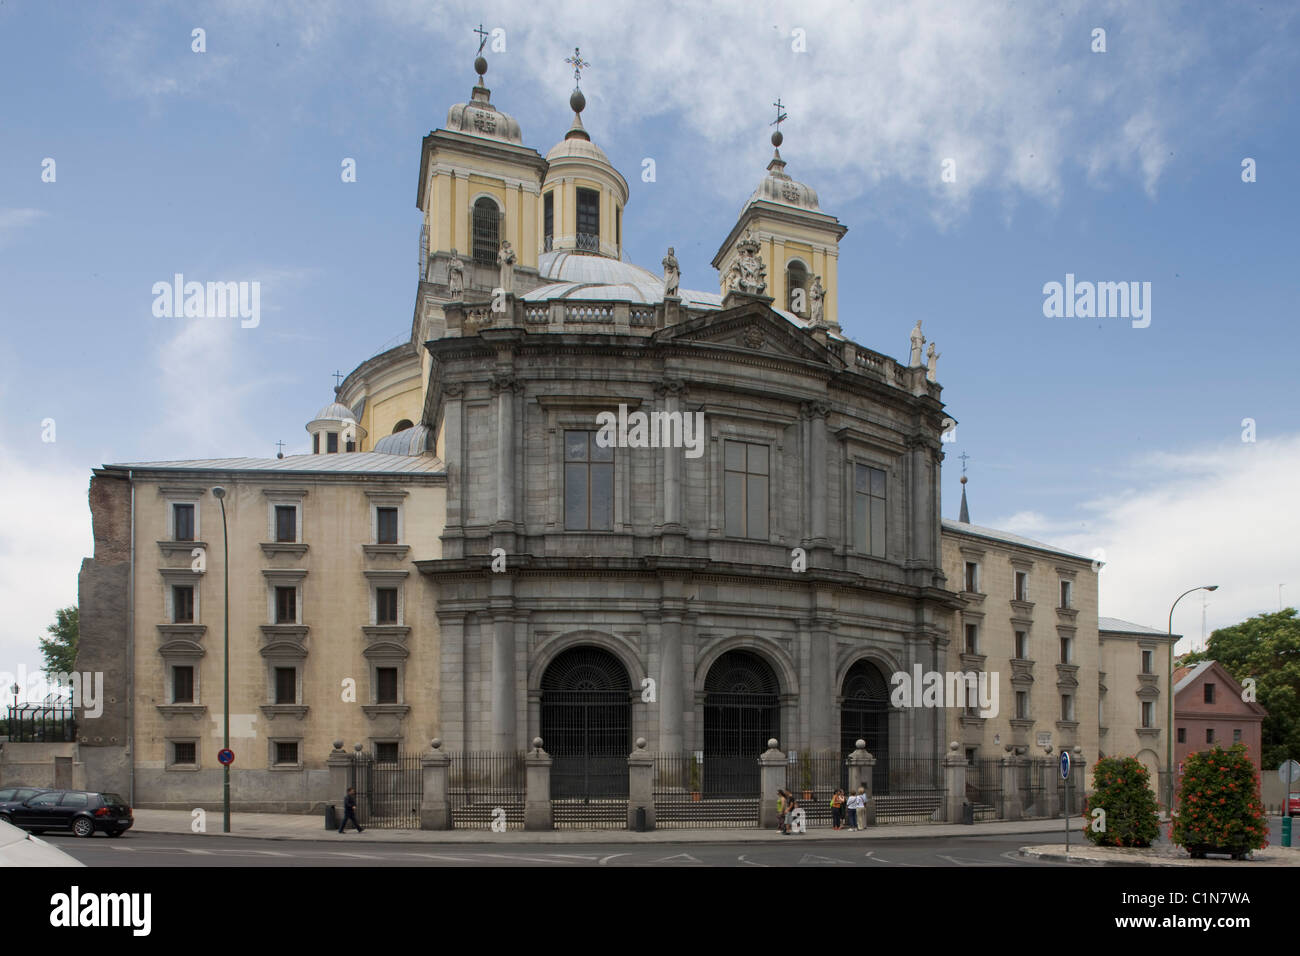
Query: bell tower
pixel 797 242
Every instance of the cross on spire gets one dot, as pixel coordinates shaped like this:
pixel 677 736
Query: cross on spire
pixel 279 449
pixel 578 63
pixel 780 114
pixel 338 379
pixel 482 36
pixel 963 456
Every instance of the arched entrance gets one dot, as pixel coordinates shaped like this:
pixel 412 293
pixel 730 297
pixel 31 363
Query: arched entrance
pixel 586 717
pixel 864 715
pixel 741 713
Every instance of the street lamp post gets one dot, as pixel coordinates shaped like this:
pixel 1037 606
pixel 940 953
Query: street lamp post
pixel 220 494
pixel 1169 731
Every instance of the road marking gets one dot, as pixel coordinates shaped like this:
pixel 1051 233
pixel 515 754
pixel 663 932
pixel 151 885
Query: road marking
pixel 606 859
pixel 530 859
pixel 122 849
pixel 576 856
pixel 750 862
pixel 197 852
pixel 815 860
pixel 874 858
pixel 359 856
pixel 682 857
pixel 442 856
pixel 959 862
pixel 272 853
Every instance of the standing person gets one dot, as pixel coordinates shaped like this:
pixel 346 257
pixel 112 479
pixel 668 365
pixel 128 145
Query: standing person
pixel 350 810
pixel 862 806
pixel 790 808
pixel 853 804
pixel 780 811
pixel 837 809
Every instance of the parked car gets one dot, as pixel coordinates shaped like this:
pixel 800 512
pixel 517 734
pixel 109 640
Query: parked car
pixel 1293 805
pixel 18 848
pixel 11 797
pixel 81 811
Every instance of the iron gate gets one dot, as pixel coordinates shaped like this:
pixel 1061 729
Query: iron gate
pixel 741 714
pixel 692 791
pixel 864 715
pixel 389 792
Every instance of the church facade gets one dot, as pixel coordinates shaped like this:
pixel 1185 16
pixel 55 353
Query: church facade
pixel 581 503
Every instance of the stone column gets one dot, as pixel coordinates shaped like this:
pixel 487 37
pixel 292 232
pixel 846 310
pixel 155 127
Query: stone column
pixel 1012 799
pixel 640 785
pixel 503 682
pixel 671 391
pixel 954 782
pixel 671 739
pixel 861 770
pixel 503 384
pixel 771 779
pixel 435 808
pixel 339 765
pixel 537 796
pixel 818 489
pixel 821 700
pixel 1051 787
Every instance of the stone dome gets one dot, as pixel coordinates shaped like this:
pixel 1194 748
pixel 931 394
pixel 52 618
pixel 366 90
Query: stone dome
pixel 479 117
pixel 335 411
pixel 576 276
pixel 778 187
pixel 415 440
pixel 578 145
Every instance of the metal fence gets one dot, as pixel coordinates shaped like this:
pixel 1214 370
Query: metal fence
pixel 913 790
pixel 984 788
pixel 388 791
pixel 695 791
pixel 1033 778
pixel 813 780
pixel 1069 800
pixel 42 723
pixel 485 787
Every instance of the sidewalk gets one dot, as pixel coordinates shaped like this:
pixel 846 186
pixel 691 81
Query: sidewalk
pixel 278 826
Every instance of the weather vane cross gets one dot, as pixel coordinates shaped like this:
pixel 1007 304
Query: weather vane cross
pixel 482 37
pixel 279 447
pixel 578 63
pixel 780 114
pixel 338 379
pixel 963 456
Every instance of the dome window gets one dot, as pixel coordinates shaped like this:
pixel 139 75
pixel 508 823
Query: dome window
pixel 403 425
pixel 331 442
pixel 487 231
pixel 588 220
pixel 796 278
pixel 315 444
pixel 548 221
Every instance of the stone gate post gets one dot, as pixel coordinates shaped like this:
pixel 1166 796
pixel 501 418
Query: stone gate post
pixel 954 783
pixel 771 779
pixel 435 809
pixel 640 785
pixel 537 797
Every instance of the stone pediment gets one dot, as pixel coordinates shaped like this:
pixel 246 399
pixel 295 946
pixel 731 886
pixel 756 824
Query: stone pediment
pixel 754 326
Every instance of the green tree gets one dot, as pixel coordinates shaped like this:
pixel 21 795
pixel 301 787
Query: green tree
pixel 1122 788
pixel 60 648
pixel 1266 648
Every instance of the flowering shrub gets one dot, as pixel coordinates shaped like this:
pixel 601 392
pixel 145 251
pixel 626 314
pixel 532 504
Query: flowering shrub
pixel 1121 787
pixel 1218 804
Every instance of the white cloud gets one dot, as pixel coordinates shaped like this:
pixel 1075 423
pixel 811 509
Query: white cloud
pixel 14 221
pixel 1221 514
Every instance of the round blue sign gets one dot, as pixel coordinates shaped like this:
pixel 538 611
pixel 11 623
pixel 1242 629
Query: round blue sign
pixel 1065 765
pixel 226 757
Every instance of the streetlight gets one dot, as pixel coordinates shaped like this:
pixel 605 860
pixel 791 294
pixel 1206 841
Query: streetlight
pixel 1169 732
pixel 13 714
pixel 220 494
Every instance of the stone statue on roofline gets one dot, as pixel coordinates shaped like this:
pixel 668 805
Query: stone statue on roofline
pixel 933 358
pixel 672 274
pixel 918 342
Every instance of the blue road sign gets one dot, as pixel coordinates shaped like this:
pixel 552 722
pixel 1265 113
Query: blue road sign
pixel 226 757
pixel 1065 765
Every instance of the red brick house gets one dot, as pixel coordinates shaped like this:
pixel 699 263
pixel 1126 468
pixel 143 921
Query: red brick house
pixel 1209 711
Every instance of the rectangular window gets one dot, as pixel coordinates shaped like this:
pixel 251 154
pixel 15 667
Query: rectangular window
pixel 286 605
pixel 386 752
pixel 183 522
pixel 1209 735
pixel 1067 707
pixel 386 520
pixel 745 489
pixel 286 751
pixel 286 523
pixel 184 752
pixel 1182 735
pixel 1148 662
pixel 386 685
pixel 183 604
pixel 286 685
pixel 869 510
pixel 618 230
pixel 1066 594
pixel 1022 586
pixel 385 605
pixel 1148 713
pixel 331 442
pixel 548 220
pixel 1022 704
pixel 183 684
pixel 588 220
pixel 1022 645
pixel 1236 735
pixel 972 639
pixel 1209 693
pixel 315 444
pixel 1067 650
pixel 588 483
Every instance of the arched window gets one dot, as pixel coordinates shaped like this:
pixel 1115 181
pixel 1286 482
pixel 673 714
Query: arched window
pixel 796 277
pixel 487 231
pixel 586 720
pixel 403 425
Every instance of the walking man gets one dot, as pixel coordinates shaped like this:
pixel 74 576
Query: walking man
pixel 350 811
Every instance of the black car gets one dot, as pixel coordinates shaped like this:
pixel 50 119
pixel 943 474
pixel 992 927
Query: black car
pixel 81 811
pixel 11 797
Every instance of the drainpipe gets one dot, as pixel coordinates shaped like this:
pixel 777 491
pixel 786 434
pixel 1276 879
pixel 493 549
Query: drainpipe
pixel 130 653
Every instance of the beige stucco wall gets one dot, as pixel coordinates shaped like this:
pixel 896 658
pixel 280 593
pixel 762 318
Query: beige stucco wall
pixel 335 603
pixel 1121 704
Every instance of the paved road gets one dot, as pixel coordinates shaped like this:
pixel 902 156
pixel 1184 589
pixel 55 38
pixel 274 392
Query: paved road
pixel 150 849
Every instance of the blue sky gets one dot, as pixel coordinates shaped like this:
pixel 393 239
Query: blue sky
pixel 1115 166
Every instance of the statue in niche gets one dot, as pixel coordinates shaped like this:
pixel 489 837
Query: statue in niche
pixel 455 276
pixel 918 341
pixel 506 260
pixel 672 274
